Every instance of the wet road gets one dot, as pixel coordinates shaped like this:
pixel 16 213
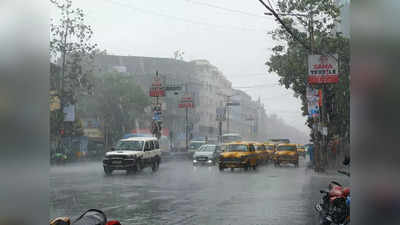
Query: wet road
pixel 180 194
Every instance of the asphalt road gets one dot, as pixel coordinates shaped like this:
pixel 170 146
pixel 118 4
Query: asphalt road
pixel 180 194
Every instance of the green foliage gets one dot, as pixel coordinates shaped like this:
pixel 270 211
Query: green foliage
pixel 71 48
pixel 117 100
pixel 289 60
pixel 71 57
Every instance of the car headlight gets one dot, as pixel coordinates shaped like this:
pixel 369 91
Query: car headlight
pixel 194 161
pixel 209 161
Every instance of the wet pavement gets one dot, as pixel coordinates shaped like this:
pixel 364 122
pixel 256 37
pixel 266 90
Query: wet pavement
pixel 181 194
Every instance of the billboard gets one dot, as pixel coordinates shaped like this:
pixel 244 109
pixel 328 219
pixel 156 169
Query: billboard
pixel 323 69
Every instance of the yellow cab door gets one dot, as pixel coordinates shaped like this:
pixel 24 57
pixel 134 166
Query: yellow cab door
pixel 252 155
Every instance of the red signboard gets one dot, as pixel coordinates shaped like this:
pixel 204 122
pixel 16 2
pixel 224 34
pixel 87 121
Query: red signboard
pixel 323 79
pixel 157 92
pixel 323 69
pixel 186 105
pixel 186 102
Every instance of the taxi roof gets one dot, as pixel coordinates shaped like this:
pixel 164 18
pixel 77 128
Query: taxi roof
pixel 240 142
pixel 290 144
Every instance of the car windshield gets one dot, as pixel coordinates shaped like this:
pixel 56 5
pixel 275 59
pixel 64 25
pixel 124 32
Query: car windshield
pixel 129 145
pixel 287 148
pixel 207 148
pixel 259 147
pixel 300 146
pixel 195 145
pixel 237 148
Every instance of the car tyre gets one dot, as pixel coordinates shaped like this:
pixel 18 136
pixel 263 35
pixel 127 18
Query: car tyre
pixel 139 165
pixel 254 167
pixel 107 171
pixel 154 166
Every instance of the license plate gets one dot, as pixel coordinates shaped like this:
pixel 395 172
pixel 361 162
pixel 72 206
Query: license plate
pixel 117 162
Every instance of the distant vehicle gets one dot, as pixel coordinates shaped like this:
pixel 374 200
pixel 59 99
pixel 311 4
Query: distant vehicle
pixel 206 155
pixel 195 145
pixel 279 141
pixel 286 153
pixel 270 149
pixel 238 155
pixel 227 138
pixel 261 151
pixel 132 155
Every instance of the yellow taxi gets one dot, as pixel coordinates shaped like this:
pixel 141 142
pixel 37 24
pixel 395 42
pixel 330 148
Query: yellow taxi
pixel 262 154
pixel 301 150
pixel 238 155
pixel 286 153
pixel 270 149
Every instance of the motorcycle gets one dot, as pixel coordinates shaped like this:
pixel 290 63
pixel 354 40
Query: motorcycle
pixel 90 217
pixel 334 206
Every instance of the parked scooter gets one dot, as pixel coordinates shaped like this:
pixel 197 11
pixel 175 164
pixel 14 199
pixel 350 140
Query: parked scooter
pixel 334 206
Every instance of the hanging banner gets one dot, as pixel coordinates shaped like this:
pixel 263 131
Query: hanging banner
pixel 313 101
pixel 323 69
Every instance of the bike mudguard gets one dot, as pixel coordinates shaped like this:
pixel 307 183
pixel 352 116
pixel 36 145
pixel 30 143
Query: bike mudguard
pixel 91 217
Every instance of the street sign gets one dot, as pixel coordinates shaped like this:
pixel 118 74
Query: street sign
pixel 157 92
pixel 323 69
pixel 69 113
pixel 186 105
pixel 186 102
pixel 157 89
pixel 173 88
pixel 233 103
pixel 324 131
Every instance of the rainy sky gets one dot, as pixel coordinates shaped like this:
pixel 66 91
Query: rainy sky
pixel 232 35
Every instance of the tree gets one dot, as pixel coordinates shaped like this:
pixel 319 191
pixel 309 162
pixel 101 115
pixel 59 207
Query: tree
pixel 178 55
pixel 289 59
pixel 118 101
pixel 71 57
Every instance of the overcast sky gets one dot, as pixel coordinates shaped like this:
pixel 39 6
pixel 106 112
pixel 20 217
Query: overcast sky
pixel 230 34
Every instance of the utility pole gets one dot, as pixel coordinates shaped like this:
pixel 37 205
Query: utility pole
pixel 228 103
pixel 186 102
